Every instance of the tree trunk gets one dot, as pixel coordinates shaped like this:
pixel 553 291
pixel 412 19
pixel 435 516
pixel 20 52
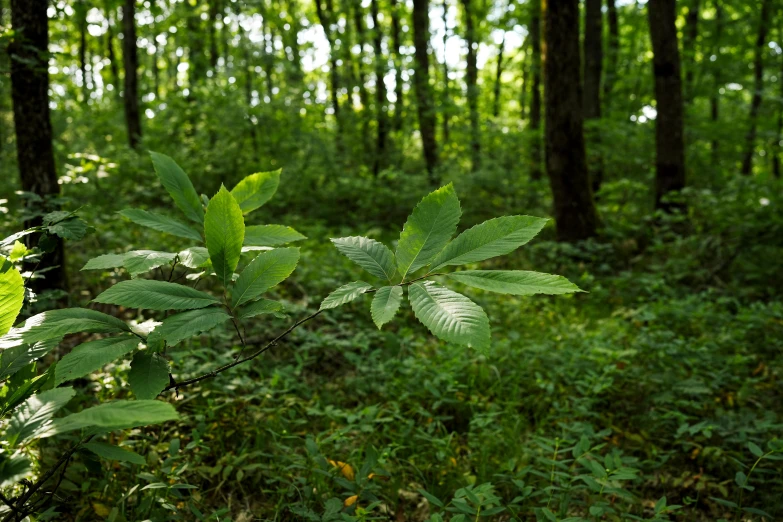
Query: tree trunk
pixel 293 42
pixel 361 77
pixel 421 80
pixel 196 57
pixel 535 91
pixel 115 71
pixel 524 87
pixel 776 148
pixel 566 164
pixel 715 97
pixel 498 74
pixel 334 78
pixel 669 144
pixel 690 34
pixel 445 109
pixel 130 60
pixel 612 50
pixel 382 116
pixel 81 12
pixel 398 65
pixel 29 52
pixel 267 55
pixel 758 74
pixel 471 78
pixel 213 47
pixel 593 53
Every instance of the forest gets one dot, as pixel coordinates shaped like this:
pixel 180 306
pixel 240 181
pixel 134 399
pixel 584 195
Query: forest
pixel 401 260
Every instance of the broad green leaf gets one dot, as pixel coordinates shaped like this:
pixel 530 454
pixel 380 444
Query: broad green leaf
pixel 35 415
pixel 142 261
pixel 385 304
pixel 17 357
pixel 20 391
pixel 105 262
pixel 492 238
pixel 148 375
pixel 13 468
pixel 72 228
pixel 55 324
pixel 110 452
pixel 18 235
pixel 262 273
pixel 117 415
pixel 256 189
pixel 18 252
pixel 271 235
pixel 262 306
pixel 91 356
pixel 178 185
pixel 224 228
pixel 428 229
pixel 345 294
pixel 369 254
pixel 516 282
pixel 449 315
pixel 11 294
pixel 194 257
pixel 155 295
pixel 182 326
pixel 161 223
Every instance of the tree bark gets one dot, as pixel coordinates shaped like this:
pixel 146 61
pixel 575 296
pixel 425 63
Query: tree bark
pixel 776 148
pixel 669 144
pixel 690 34
pixel 324 16
pixel 197 60
pixel 715 97
pixel 382 116
pixel 421 80
pixel 612 50
pixel 498 74
pixel 758 86
pixel 115 71
pixel 267 55
pixel 81 12
pixel 29 52
pixel 535 91
pixel 213 47
pixel 593 56
pixel 398 65
pixel 566 163
pixel 471 78
pixel 293 41
pixel 524 87
pixel 130 60
pixel 445 109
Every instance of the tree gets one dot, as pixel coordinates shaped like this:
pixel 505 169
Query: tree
pixel 399 101
pixel 110 55
pixel 566 163
pixel 382 116
pixel 446 91
pixel 612 49
pixel 535 90
pixel 593 53
pixel 690 34
pixel 758 86
pixel 669 143
pixel 81 14
pixel 471 78
pixel 716 73
pixel 421 81
pixel 130 61
pixel 29 53
pixel 324 17
pixel 498 75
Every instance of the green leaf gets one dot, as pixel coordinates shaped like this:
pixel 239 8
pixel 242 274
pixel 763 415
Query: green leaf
pixel 194 257
pixel 182 326
pixel 754 449
pixel 262 273
pixel 385 304
pixel 18 235
pixel 18 252
pixel 116 415
pixel 449 315
pixel 72 228
pixel 262 306
pixel 17 357
pixel 516 282
pixel 492 238
pixel 271 235
pixel 345 294
pixel 148 375
pixel 105 262
pixel 109 452
pixel 224 228
pixel 34 416
pixel 256 189
pixel 91 356
pixel 13 468
pixel 178 185
pixel 369 254
pixel 141 261
pixel 161 223
pixel 435 501
pixel 155 295
pixel 428 229
pixel 55 324
pixel 11 294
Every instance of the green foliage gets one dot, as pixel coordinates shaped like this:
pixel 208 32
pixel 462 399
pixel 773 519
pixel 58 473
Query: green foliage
pixel 345 294
pixel 179 327
pixel 516 282
pixel 149 374
pixel 91 356
pixel 264 272
pixel 179 187
pixel 160 223
pixel 369 254
pixel 11 294
pixel 155 295
pixel 255 190
pixel 385 304
pixel 224 230
pixel 109 452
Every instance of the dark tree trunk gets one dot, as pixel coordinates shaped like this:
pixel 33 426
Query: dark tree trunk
pixel 398 65
pixel 130 60
pixel 29 51
pixel 690 34
pixel 524 87
pixel 197 70
pixel 293 41
pixel 267 55
pixel 214 6
pixel 593 53
pixel 361 77
pixel 81 10
pixel 471 78
pixel 382 115
pixel 566 164
pixel 421 80
pixel 758 86
pixel 669 144
pixel 612 50
pixel 776 148
pixel 498 74
pixel 535 91
pixel 115 71
pixel 324 17
pixel 446 95
pixel 715 96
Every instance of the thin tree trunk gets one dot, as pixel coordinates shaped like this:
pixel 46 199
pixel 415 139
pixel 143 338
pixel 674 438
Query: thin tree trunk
pixel 382 115
pixel 267 55
pixel 29 51
pixel 776 148
pixel 593 53
pixel 361 77
pixel 690 34
pixel 669 144
pixel 524 87
pixel 131 62
pixel 471 78
pixel 612 50
pixel 758 74
pixel 535 91
pixel 81 10
pixel 334 78
pixel 293 42
pixel 498 74
pixel 213 47
pixel 398 65
pixel 446 96
pixel 197 70
pixel 421 80
pixel 115 72
pixel 566 163
pixel 715 97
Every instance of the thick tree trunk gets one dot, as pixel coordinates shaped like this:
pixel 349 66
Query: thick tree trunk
pixel 612 50
pixel 445 108
pixel 399 104
pixel 130 60
pixel 421 80
pixel 29 52
pixel 471 78
pixel 669 144
pixel 535 91
pixel 716 71
pixel 593 53
pixel 690 34
pixel 382 116
pixel 758 86
pixel 566 164
pixel 498 74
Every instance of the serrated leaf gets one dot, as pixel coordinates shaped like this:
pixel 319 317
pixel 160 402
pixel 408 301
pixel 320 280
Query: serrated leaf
pixel 11 294
pixel 428 229
pixel 262 273
pixel 110 452
pixel 385 304
pixel 161 223
pixel 17 357
pixel 369 254
pixel 262 306
pixel 72 228
pixel 55 324
pixel 492 238
pixel 224 229
pixel 155 295
pixel 194 257
pixel 115 415
pixel 34 416
pixel 182 326
pixel 515 282
pixel 179 186
pixel 256 189
pixel 271 235
pixel 105 262
pixel 91 356
pixel 13 468
pixel 142 261
pixel 345 294
pixel 148 375
pixel 449 315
